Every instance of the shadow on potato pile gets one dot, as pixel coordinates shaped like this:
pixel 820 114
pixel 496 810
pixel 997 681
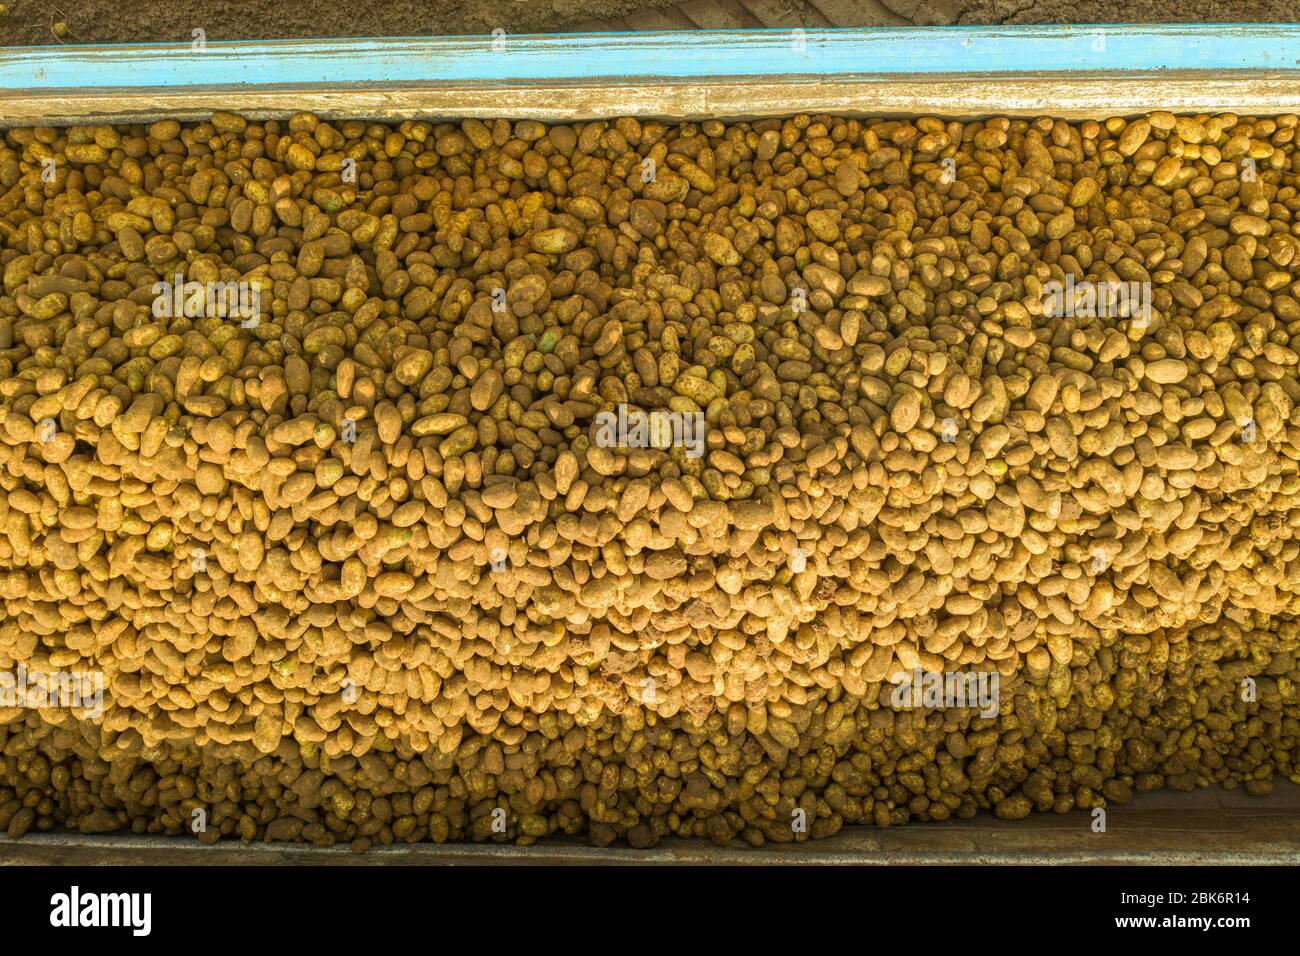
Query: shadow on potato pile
pixel 971 480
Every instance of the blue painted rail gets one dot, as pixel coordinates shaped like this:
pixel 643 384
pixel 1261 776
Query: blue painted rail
pixel 752 53
pixel 1104 69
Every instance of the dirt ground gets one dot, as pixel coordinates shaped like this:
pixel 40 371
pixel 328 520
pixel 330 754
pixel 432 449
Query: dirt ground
pixel 26 22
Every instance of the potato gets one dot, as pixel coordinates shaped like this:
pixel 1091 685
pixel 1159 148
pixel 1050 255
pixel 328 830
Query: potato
pixel 615 478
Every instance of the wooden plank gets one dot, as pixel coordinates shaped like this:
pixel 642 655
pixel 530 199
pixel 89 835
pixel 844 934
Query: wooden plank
pixel 1071 72
pixel 865 848
pixel 1082 96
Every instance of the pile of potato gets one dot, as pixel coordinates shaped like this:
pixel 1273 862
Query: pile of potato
pixel 357 568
